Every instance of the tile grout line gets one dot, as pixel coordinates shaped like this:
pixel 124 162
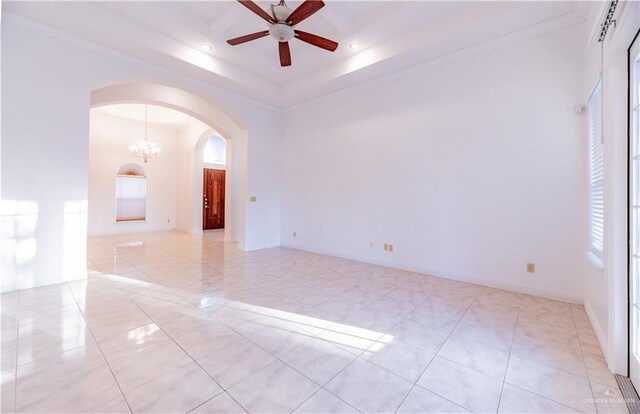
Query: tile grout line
pixel 374 342
pixel 311 334
pixel 548 365
pixel 289 281
pixel 540 395
pixel 99 348
pixel 360 355
pixel 573 319
pixel 506 370
pixel 242 335
pixel 222 322
pixel 393 373
pixel 325 390
pixel 276 358
pixel 357 356
pixel 130 294
pixel 544 397
pixel 434 357
pixel 190 357
pixel 215 396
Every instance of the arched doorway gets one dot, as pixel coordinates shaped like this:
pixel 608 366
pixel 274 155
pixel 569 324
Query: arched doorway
pixel 229 162
pixel 220 121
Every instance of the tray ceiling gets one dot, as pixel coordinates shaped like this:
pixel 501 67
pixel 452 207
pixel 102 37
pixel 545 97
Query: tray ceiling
pixel 393 35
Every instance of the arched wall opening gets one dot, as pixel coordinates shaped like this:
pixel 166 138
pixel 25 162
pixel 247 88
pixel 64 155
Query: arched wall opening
pixel 232 161
pixel 220 122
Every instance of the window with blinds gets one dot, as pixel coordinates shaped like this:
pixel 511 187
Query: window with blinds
pixel 131 194
pixel 596 172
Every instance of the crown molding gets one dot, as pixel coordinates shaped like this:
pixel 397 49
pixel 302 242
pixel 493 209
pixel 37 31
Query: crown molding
pixel 93 47
pixel 282 104
pixel 549 26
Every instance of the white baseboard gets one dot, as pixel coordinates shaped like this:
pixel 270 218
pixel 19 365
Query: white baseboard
pixel 514 287
pixel 121 232
pixel 252 247
pixel 597 327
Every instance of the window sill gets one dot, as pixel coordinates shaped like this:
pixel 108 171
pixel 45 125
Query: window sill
pixel 594 260
pixel 131 221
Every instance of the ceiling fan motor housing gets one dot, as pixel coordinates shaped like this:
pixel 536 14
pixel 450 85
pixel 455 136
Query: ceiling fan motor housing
pixel 281 32
pixel 281 12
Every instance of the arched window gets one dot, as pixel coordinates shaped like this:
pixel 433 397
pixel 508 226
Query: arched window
pixel 131 193
pixel 215 151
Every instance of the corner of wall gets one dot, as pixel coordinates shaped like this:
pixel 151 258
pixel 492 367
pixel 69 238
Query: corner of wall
pixel 597 327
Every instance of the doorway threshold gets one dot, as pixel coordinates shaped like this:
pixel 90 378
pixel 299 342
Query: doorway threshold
pixel 629 394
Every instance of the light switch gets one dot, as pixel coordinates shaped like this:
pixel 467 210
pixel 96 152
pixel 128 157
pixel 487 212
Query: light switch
pixel 253 199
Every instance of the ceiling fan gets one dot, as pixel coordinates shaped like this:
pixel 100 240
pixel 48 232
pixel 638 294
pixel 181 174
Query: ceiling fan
pixel 282 21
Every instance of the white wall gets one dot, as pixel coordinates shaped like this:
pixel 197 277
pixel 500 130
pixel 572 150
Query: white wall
pixel 606 296
pixel 109 142
pixel 594 278
pixel 190 176
pixel 471 170
pixel 47 80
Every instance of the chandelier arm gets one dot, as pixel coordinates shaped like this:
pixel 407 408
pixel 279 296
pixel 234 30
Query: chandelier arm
pixel 143 148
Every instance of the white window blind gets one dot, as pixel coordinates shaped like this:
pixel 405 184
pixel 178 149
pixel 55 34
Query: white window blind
pixel 131 195
pixel 596 172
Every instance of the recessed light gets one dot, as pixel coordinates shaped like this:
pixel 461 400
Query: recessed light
pixel 207 47
pixel 354 46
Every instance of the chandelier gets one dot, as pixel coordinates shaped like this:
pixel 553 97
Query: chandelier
pixel 144 148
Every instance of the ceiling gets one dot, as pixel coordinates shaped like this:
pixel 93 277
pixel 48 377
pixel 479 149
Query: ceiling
pixel 136 112
pixel 393 35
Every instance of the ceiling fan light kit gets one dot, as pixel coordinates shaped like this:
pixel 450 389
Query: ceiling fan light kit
pixel 281 32
pixel 282 21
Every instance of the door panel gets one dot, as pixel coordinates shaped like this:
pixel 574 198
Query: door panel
pixel 634 216
pixel 213 199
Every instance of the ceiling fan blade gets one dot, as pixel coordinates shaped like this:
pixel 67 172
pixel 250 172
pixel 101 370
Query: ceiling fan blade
pixel 303 11
pixel 257 10
pixel 285 54
pixel 247 38
pixel 316 40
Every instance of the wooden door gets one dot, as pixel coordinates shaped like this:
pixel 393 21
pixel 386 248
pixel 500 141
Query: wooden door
pixel 213 199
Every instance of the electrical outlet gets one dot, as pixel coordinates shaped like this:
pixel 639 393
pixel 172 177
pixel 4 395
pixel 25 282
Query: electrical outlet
pixel 391 247
pixel 386 247
pixel 371 245
pixel 295 234
pixel 531 267
pixel 253 199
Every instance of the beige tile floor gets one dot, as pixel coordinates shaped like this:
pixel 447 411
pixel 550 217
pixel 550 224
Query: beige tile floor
pixel 170 322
